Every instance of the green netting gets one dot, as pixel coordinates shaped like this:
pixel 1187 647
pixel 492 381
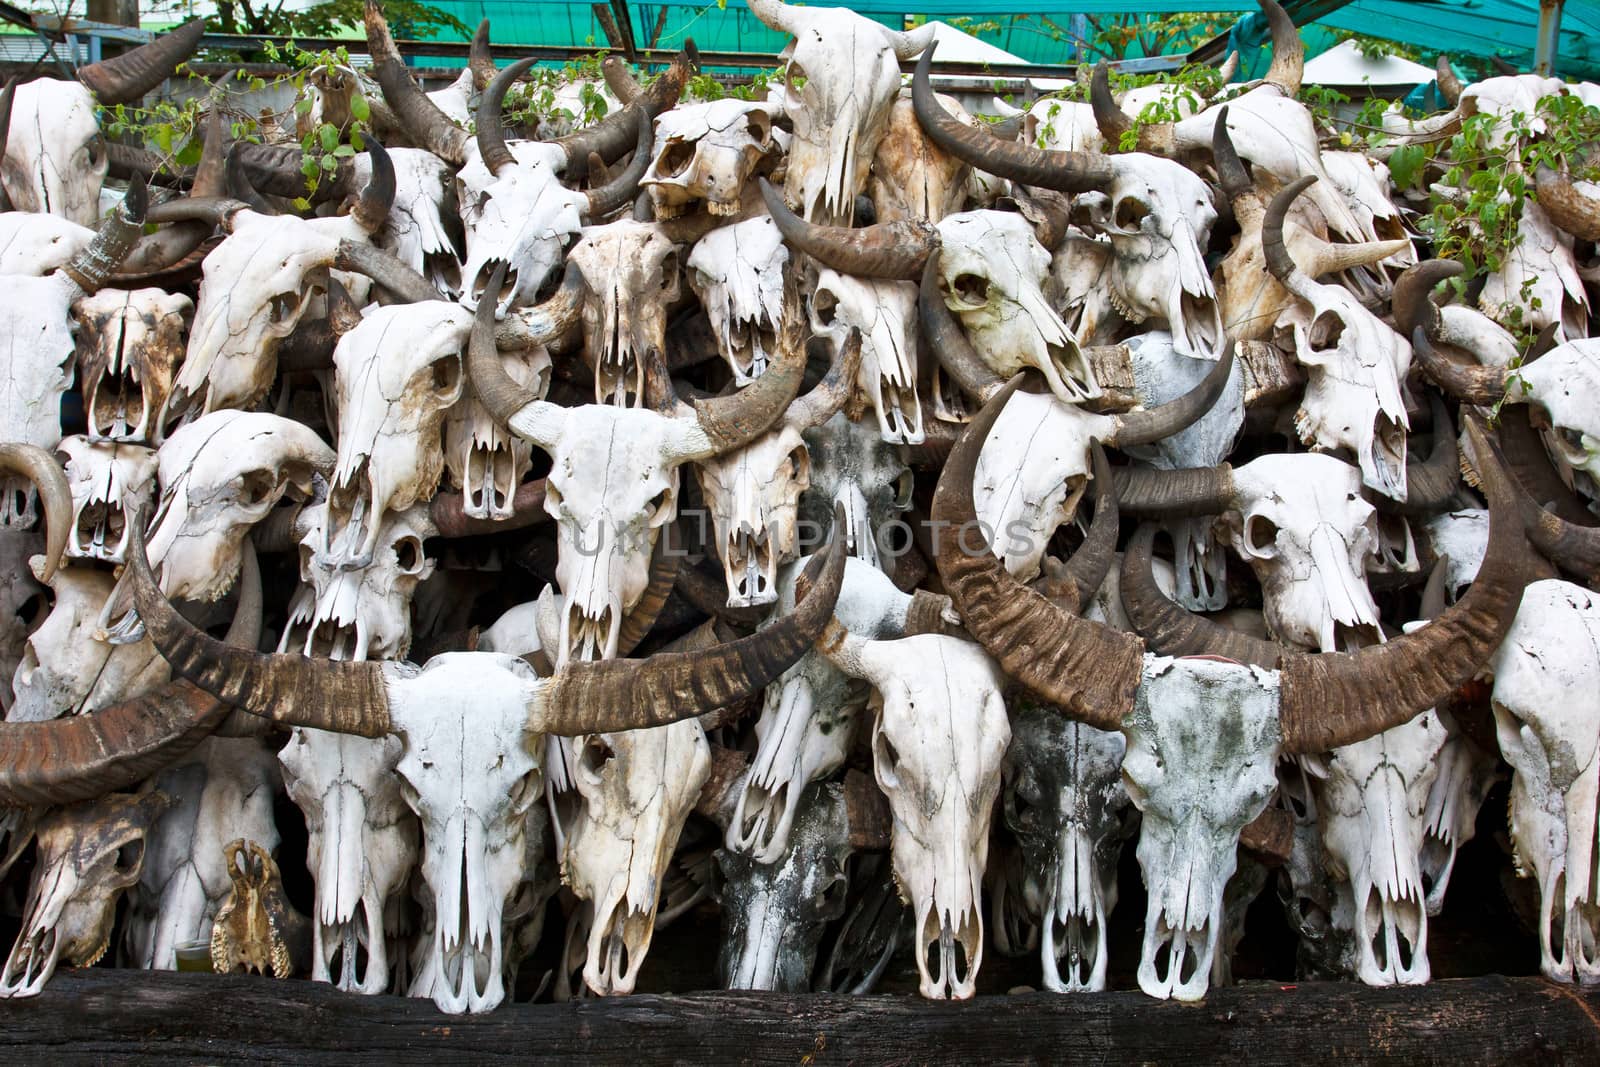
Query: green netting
pixel 1042 31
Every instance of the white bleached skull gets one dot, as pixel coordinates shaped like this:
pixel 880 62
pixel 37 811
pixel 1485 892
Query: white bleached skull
pixel 1538 281
pixel 737 272
pixel 1159 225
pixel 88 856
pixel 66 669
pixel 1547 721
pixel 1065 803
pixel 35 371
pixel 1301 523
pixel 111 483
pixel 1201 763
pixel 1561 385
pixel 753 494
pixel 992 268
pixel 129 344
pixel 55 156
pixel 254 288
pixel 809 716
pixel 396 374
pixel 483 459
pixel 361 848
pixel 854 468
pixel 937 745
pixel 1364 183
pixel 23 603
pixel 840 78
pixel 422 218
pixel 220 475
pixel 1372 798
pixel 636 789
pixel 348 611
pixel 35 244
pixel 774 912
pixel 523 217
pixel 633 277
pixel 707 152
pixel 470 771
pixel 886 314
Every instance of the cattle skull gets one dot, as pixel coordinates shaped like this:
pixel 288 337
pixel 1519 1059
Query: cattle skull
pixel 55 156
pixel 937 745
pixel 36 244
pixel 523 217
pixel 483 459
pixel 633 277
pixel 853 468
pixel 89 854
pixel 129 343
pixel 991 269
pixel 707 153
pixel 1065 803
pixel 886 314
pixel 737 272
pixel 111 483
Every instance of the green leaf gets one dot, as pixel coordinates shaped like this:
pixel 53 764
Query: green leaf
pixel 1405 165
pixel 344 151
pixel 163 137
pixel 329 135
pixel 301 204
pixel 358 142
pixel 330 164
pixel 302 106
pixel 360 110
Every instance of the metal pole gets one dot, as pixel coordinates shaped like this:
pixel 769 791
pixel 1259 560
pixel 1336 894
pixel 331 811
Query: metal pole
pixel 1548 42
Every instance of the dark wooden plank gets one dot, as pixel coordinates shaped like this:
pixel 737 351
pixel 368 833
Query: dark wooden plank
pixel 100 1015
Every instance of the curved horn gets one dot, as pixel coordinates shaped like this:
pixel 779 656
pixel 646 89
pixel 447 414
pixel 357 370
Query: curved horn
pixel 1111 120
pixel 386 269
pixel 543 323
pixel 1288 51
pixel 1525 456
pixel 1164 420
pixel 893 250
pixel 1470 385
pixel 500 394
pixel 1231 173
pixel 92 267
pixel 664 562
pixel 80 757
pixel 427 126
pixel 1227 72
pixel 491 129
pixel 1339 698
pixel 620 190
pixel 479 59
pixel 55 496
pixel 1276 253
pixel 1169 627
pixel 776 15
pixel 1189 492
pixel 1449 85
pixel 449 513
pixel 1432 482
pixel 1434 599
pixel 633 694
pixel 950 343
pixel 1090 671
pixel 1573 548
pixel 833 391
pixel 619 79
pixel 340 695
pixel 371 209
pixel 217 211
pixel 1412 295
pixel 614 134
pixel 7 97
pixel 238 185
pixel 126 78
pixel 729 422
pixel 1568 207
pixel 1067 172
pixel 1083 574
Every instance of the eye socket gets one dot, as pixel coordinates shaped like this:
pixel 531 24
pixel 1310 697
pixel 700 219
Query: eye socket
pixel 1130 213
pixel 904 486
pixel 282 306
pixel 830 899
pixel 1570 442
pixel 675 159
pixel 1260 534
pixel 1022 813
pixel 794 80
pixel 94 151
pixel 799 464
pixel 130 857
pixel 1135 792
pixel 759 127
pixel 825 306
pixel 525 791
pixel 408 555
pixel 654 509
pixel 887 760
pixel 594 756
pixel 256 487
pixel 1325 332
pixel 970 289
pixel 447 375
pixel 669 272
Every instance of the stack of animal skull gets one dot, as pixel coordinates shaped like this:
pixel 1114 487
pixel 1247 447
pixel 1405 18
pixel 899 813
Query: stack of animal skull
pixel 497 415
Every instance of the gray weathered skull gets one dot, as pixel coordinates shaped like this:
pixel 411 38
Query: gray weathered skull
pixel 1201 763
pixel 129 344
pixel 854 468
pixel 1065 803
pixel 633 277
pixel 88 856
pixel 912 178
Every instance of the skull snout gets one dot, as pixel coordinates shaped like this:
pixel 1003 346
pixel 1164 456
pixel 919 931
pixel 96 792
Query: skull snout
pixel 1182 919
pixel 508 288
pixel 466 951
pixel 750 564
pixel 37 949
pixel 949 948
pixel 617 947
pixel 1074 923
pixel 767 804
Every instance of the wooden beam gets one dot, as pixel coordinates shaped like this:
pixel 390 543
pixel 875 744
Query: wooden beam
pixel 102 1015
